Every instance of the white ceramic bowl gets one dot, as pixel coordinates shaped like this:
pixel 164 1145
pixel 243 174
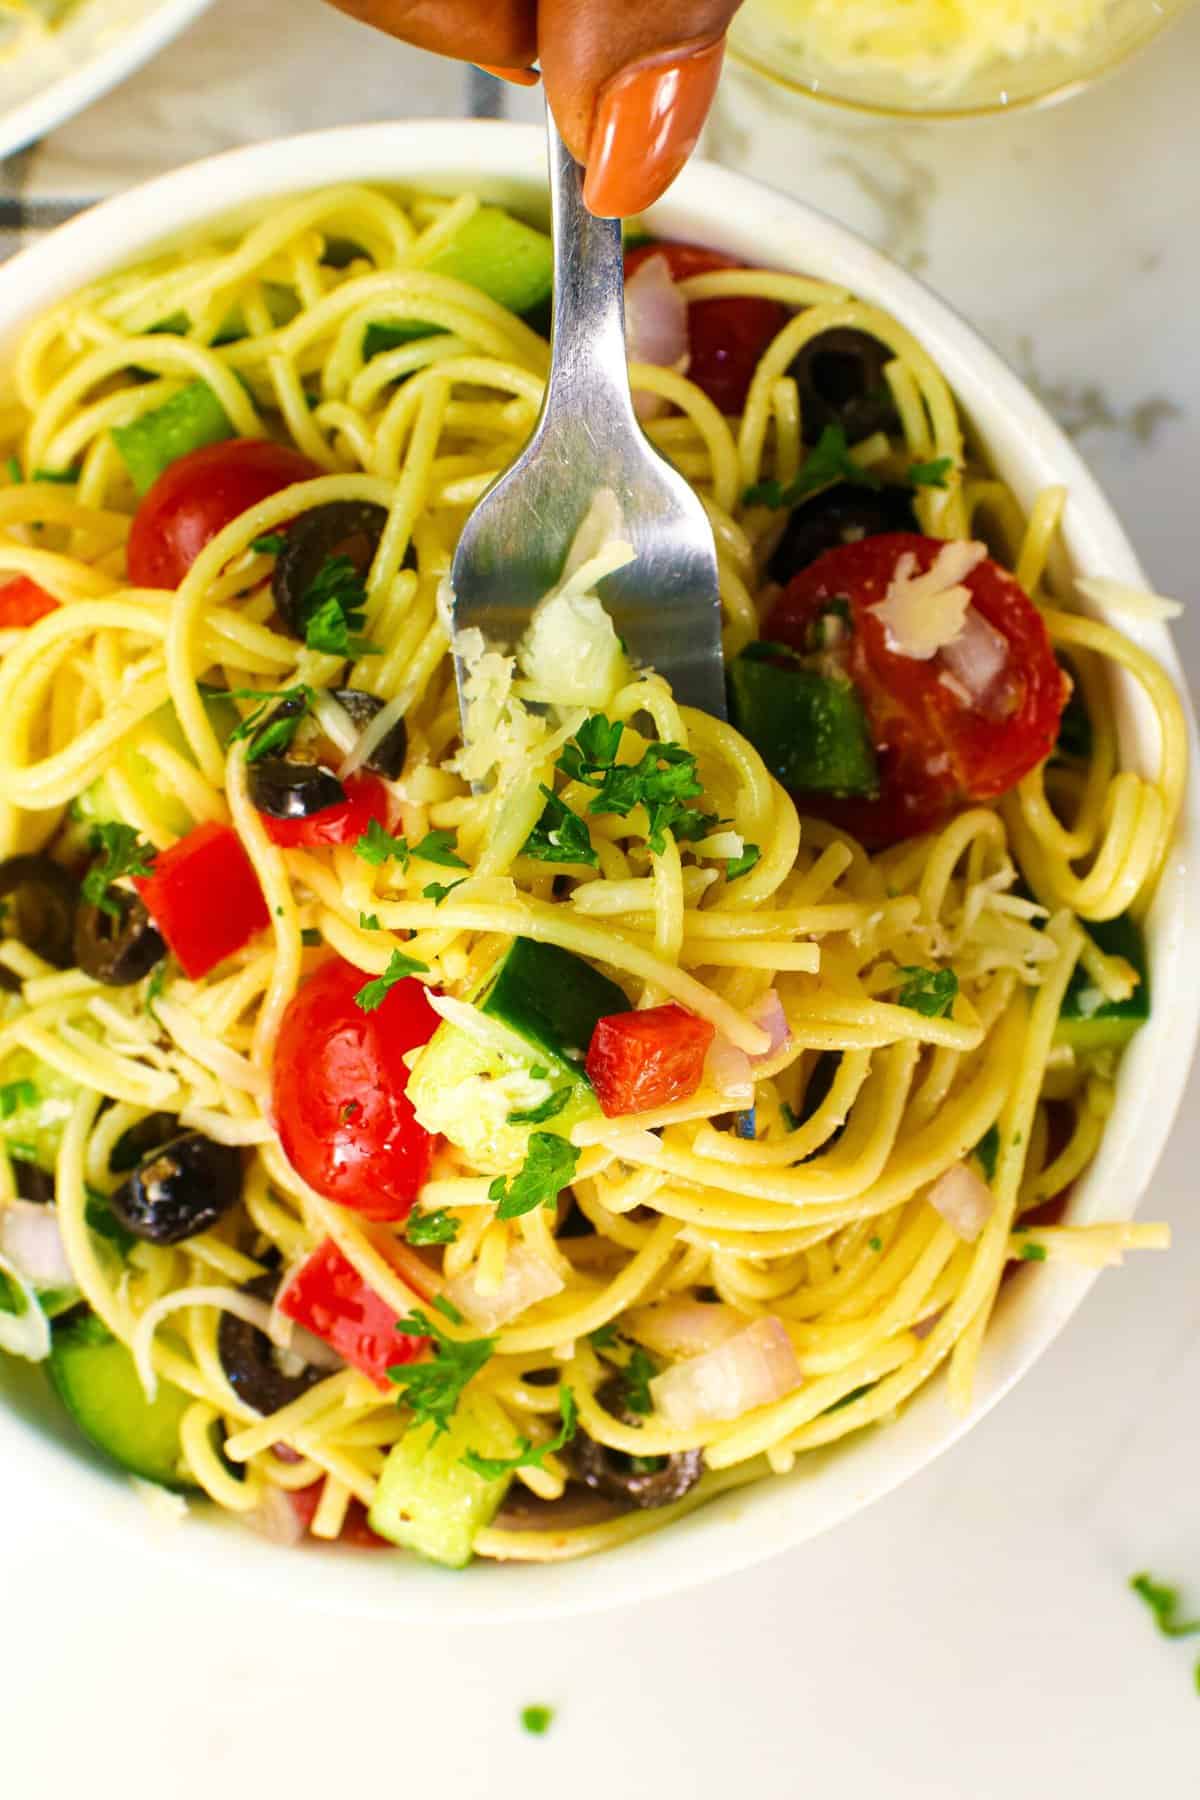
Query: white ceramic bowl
pixel 45 1465
pixel 101 43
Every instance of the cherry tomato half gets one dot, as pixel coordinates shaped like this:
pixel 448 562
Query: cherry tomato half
pixel 366 799
pixel 22 603
pixel 726 338
pixel 342 1109
pixel 198 496
pixel 937 746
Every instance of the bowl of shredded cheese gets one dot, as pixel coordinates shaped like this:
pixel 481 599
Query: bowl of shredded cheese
pixel 943 58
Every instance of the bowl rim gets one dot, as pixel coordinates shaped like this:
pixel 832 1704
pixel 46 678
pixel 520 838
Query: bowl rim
pixel 735 213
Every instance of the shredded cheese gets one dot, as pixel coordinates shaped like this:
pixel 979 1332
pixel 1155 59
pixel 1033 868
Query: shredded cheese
pixel 921 614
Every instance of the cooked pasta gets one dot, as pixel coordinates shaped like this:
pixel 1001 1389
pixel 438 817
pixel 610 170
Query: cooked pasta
pixel 672 1288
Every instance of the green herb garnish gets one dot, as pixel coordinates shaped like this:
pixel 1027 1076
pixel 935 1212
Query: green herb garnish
pixel 399 968
pixel 439 1227
pixel 560 835
pixel 124 853
pixel 528 1455
pixel 270 545
pixel 548 1168
pixel 549 1109
pixel 433 1389
pixel 437 891
pixel 828 461
pixel 930 474
pixel 662 782
pixel 930 992
pixel 334 610
pixel 635 1378
pixel 986 1152
pixel 737 866
pixel 604 1337
pixel 537 1720
pixel 1033 1253
pixel 14 1096
pixel 272 724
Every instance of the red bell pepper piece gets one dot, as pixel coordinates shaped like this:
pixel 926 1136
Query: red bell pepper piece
pixel 328 1296
pixel 355 1529
pixel 204 897
pixel 638 1061
pixel 23 602
pixel 366 799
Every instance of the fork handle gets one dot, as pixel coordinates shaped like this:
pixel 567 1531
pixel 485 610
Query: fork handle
pixel 589 374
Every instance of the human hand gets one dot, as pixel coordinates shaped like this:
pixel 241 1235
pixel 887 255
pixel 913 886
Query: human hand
pixel 630 82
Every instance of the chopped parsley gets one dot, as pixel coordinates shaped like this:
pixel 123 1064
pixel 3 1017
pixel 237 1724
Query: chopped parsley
pixel 437 891
pixel 930 474
pixel 334 610
pixel 604 1337
pixel 635 1378
pixel 101 1220
pixel 59 477
pixel 549 1109
pixel 663 782
pixel 13 470
pixel 271 735
pixel 270 545
pixel 124 853
pixel 737 866
pixel 791 1122
pixel 1164 1604
pixel 439 847
pixel 986 1152
pixel 828 461
pixel 369 922
pixel 1033 1253
pixel 433 1388
pixel 154 988
pixel 311 938
pixel 438 1227
pixel 930 992
pixel 528 1455
pixel 548 1168
pixel 560 835
pixel 15 1096
pixel 875 1243
pixel 399 968
pixel 378 846
pixel 537 1720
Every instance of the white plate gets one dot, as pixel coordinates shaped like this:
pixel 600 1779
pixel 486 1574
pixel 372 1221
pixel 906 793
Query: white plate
pixel 44 1463
pixel 101 43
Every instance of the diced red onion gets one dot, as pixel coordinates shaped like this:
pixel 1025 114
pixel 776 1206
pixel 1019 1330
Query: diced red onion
pixel 276 1518
pixel 978 656
pixel 727 1069
pixel 747 1371
pixel 526 1280
pixel 924 1326
pixel 32 1242
pixel 768 1014
pixel 685 1327
pixel 964 1200
pixel 656 327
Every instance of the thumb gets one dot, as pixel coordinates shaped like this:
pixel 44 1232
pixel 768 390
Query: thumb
pixel 630 85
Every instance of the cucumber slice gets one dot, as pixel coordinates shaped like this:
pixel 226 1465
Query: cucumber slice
pixel 95 806
pixel 811 730
pixel 187 421
pixel 282 305
pixel 35 1103
pixel 1088 1022
pixel 510 261
pixel 97 1382
pixel 552 999
pixel 428 1500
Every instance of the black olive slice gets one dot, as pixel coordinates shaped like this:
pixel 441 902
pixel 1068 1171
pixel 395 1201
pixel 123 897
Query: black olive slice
pixel 350 528
pixel 388 756
pixel 39 899
pixel 841 514
pixel 134 1145
pixel 32 1181
pixel 249 1358
pixel 292 790
pixel 179 1190
pixel 840 374
pixel 117 948
pixel 637 1480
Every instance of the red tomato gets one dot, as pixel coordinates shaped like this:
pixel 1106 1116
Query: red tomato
pixel 341 1104
pixel 22 603
pixel 198 496
pixel 936 746
pixel 366 799
pixel 328 1296
pixel 726 338
pixel 641 1060
pixel 205 898
pixel 355 1529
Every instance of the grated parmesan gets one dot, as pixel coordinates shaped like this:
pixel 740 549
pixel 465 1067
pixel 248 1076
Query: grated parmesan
pixel 922 613
pixel 1118 596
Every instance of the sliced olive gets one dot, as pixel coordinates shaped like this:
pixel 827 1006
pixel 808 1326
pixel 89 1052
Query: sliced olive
pixel 134 1145
pixel 117 949
pixel 638 1480
pixel 839 515
pixel 32 1181
pixel 349 528
pixel 38 900
pixel 251 1361
pixel 388 756
pixel 179 1190
pixel 285 789
pixel 840 374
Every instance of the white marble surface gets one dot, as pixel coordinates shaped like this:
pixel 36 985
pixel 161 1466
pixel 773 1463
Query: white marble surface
pixel 971 1637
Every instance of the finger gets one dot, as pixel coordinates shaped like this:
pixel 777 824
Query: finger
pixel 631 85
pixel 502 33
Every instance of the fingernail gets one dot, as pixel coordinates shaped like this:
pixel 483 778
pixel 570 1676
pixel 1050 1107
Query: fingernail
pixel 519 77
pixel 648 121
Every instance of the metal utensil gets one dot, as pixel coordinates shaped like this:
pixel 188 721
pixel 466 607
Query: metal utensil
pixel 665 603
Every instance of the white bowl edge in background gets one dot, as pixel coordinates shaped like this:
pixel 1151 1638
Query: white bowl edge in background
pixel 506 162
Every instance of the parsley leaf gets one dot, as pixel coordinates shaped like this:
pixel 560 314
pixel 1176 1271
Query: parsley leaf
pixel 439 847
pixel 13 470
pixel 560 835
pixel 828 461
pixel 738 866
pixel 875 1243
pixel 438 1227
pixel 548 1167
pixel 270 545
pixel 154 988
pixel 987 1150
pixel 549 1109
pixel 14 1096
pixel 663 781
pixel 537 1720
pixel 334 610
pixel 1033 1253
pixel 124 854
pixel 377 846
pixel 593 748
pixel 529 1455
pixel 437 891
pixel 930 992
pixel 636 1377
pixel 433 1389
pixel 311 938
pixel 1164 1604
pixel 930 474
pixel 101 1220
pixel 369 922
pixel 273 734
pixel 399 968
pixel 791 1120
pixel 604 1337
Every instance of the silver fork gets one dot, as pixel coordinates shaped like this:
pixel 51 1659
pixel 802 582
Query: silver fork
pixel 665 603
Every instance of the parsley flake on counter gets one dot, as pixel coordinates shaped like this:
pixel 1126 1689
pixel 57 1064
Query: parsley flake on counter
pixel 433 1389
pixel 439 1227
pixel 1163 1602
pixel 930 992
pixel 399 968
pixel 537 1720
pixel 124 853
pixel 528 1454
pixel 828 461
pixel 548 1168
